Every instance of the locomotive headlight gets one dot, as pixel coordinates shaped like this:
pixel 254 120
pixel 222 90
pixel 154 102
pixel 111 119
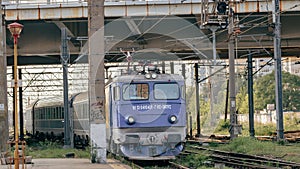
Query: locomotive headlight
pixel 130 120
pixel 173 119
pixel 154 76
pixel 148 76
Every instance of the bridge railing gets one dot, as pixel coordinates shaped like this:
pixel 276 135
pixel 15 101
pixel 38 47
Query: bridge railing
pixel 41 2
pixel 45 2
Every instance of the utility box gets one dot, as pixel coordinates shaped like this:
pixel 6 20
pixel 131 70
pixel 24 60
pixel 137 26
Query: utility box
pixel 237 129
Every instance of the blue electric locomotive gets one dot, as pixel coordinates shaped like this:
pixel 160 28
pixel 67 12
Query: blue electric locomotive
pixel 146 116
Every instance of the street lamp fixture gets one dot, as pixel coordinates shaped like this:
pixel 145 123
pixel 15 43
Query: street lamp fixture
pixel 15 30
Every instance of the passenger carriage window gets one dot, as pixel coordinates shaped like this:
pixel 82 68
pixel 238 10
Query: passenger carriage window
pixel 164 91
pixel 37 113
pixel 136 91
pixel 48 113
pixel 53 113
pixel 42 115
pixel 56 113
pixel 116 93
pixel 62 113
pixel 45 113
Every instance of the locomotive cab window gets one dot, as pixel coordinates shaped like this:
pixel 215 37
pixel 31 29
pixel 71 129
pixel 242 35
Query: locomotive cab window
pixel 164 91
pixel 137 91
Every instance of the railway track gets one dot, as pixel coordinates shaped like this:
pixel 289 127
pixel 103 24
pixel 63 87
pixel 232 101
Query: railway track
pixel 157 165
pixel 290 136
pixel 219 158
pixel 132 164
pixel 176 166
pixel 150 164
pixel 239 160
pixel 136 166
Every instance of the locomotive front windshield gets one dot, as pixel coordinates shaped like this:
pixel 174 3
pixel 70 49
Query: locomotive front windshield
pixel 141 91
pixel 166 91
pixel 137 91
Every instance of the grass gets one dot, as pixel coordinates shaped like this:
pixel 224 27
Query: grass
pixel 57 153
pixel 48 149
pixel 289 152
pixel 247 145
pixel 194 161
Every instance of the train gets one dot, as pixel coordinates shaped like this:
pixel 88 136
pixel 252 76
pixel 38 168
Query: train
pixel 145 116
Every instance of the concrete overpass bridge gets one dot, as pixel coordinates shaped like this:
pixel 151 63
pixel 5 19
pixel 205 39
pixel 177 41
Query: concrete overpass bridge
pixel 172 25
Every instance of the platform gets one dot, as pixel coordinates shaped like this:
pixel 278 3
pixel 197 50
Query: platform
pixel 70 163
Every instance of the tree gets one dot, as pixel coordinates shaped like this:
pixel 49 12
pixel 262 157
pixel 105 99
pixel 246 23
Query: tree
pixel 191 102
pixel 242 99
pixel 264 91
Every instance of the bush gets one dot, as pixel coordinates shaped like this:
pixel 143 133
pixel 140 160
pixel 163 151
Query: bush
pixel 223 127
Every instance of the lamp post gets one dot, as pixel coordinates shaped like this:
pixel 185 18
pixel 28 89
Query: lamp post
pixel 15 30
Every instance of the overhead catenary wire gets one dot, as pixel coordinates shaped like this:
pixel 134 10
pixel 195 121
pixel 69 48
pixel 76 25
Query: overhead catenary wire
pixel 209 36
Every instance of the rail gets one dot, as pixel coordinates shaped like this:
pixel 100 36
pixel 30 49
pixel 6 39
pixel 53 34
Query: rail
pixel 240 160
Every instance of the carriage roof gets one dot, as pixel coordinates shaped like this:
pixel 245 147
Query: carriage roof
pixel 79 97
pixel 50 102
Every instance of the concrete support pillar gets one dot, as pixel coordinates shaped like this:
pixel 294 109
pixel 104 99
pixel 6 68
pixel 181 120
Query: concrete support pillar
pixel 97 80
